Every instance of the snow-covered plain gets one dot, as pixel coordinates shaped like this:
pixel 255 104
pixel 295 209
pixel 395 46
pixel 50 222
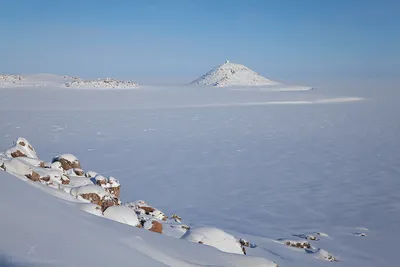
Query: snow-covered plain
pixel 268 167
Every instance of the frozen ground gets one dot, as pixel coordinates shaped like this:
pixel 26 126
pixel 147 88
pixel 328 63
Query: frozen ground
pixel 260 165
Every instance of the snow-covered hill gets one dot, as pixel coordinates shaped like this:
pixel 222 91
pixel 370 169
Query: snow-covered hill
pixel 232 74
pixel 238 76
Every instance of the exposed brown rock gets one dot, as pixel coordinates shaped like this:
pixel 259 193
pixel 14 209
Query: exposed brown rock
pixel 30 147
pixel 64 180
pixel 22 143
pixel 34 176
pixel 46 178
pixel 42 164
pixel 176 217
pixel 147 209
pixel 66 165
pixel 156 227
pixel 105 203
pixel 114 190
pixel 3 167
pixel 17 154
pixel 79 172
pixel 93 198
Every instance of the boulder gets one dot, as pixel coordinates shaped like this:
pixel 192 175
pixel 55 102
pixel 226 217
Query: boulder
pixel 146 211
pixel 34 176
pixel 78 171
pixel 21 148
pixel 154 226
pixel 67 161
pixel 96 195
pixel 111 184
pixel 17 154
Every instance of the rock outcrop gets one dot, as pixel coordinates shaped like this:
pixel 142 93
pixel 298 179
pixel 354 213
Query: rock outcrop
pixel 67 161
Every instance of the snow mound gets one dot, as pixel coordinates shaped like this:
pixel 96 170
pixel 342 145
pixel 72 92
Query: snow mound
pixel 106 83
pixel 122 214
pixel 213 237
pixel 232 74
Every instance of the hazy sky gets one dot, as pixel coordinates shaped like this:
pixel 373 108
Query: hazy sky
pixel 159 40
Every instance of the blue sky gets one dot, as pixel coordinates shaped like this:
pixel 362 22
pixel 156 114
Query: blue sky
pixel 148 40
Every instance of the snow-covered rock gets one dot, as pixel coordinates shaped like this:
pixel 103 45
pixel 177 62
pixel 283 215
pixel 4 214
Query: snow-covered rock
pixel 154 226
pixel 67 161
pixel 122 214
pixel 111 184
pixel 90 174
pixel 214 237
pixel 145 211
pixel 232 74
pixel 106 83
pixel 21 148
pixel 96 195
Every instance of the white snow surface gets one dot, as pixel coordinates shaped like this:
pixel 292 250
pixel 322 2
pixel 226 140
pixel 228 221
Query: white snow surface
pixel 213 237
pixel 259 165
pixel 122 214
pixel 232 74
